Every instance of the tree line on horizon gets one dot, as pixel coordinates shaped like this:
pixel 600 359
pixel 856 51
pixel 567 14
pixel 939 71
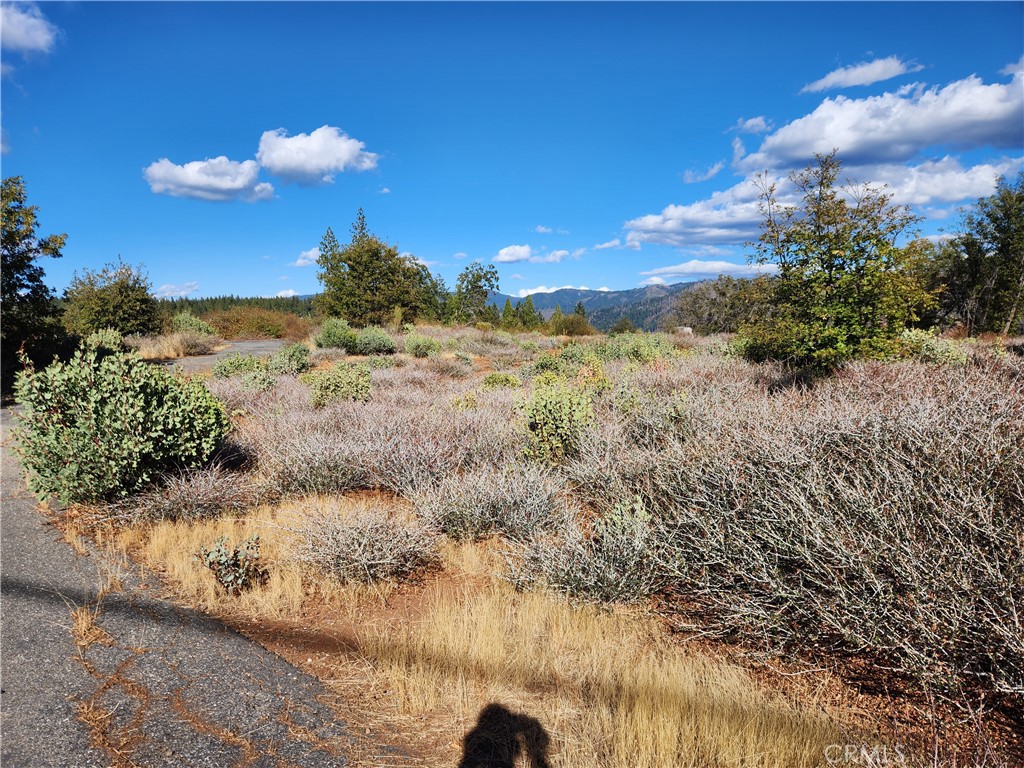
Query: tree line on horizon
pixel 845 286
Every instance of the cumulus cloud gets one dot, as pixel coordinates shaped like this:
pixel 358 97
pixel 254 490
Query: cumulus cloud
pixel 513 253
pixel 385 190
pixel 287 293
pixel 313 158
pixel 865 73
pixel 211 179
pixel 176 291
pixel 610 244
pixel 728 216
pixel 943 180
pixel 543 230
pixel 894 127
pixel 307 258
pixel 692 177
pixel 25 29
pixel 701 269
pixel 759 124
pixel 460 255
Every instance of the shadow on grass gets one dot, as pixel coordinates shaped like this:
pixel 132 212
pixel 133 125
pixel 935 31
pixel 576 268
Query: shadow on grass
pixel 501 737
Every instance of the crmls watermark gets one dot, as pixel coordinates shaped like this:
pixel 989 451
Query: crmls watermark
pixel 875 756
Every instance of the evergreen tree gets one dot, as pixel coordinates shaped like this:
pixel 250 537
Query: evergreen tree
pixel 367 280
pixel 28 306
pixel 509 318
pixel 529 317
pixel 845 287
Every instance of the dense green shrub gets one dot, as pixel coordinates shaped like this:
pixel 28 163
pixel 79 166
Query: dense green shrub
pixel 342 382
pixel 373 341
pixel 237 363
pixel 418 345
pixel 929 347
pixel 636 347
pixel 335 333
pixel 501 381
pixel 186 321
pixel 106 340
pixel 259 381
pixel 289 361
pixel 556 415
pixel 100 426
pixel 115 297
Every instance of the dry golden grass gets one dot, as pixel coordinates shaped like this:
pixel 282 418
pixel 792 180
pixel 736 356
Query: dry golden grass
pixel 608 687
pixel 171 346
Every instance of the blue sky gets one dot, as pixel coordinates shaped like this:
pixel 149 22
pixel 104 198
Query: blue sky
pixel 601 145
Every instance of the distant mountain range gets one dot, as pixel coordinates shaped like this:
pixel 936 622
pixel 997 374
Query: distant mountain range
pixel 648 307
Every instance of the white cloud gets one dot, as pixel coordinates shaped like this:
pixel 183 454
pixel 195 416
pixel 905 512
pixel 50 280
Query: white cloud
pixel 543 230
pixel 1014 70
pixel 513 253
pixel 287 293
pixel 865 73
pixel 23 28
pixel 738 151
pixel 307 258
pixel 759 124
pixel 212 179
pixel 176 291
pixel 942 181
pixel 728 216
pixel 610 244
pixel 523 292
pixel 313 158
pixel 385 190
pixel 692 177
pixel 516 276
pixel 894 127
pixel 701 269
pixel 460 255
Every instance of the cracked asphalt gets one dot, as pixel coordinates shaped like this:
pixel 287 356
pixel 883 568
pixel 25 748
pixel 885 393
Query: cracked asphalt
pixel 161 685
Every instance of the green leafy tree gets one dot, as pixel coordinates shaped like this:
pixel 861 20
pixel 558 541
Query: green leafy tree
pixel 980 271
pixel 28 306
pixel 472 293
pixel 845 287
pixel 365 281
pixel 117 296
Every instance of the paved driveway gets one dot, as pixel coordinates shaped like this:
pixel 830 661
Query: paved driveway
pixel 205 362
pixel 161 685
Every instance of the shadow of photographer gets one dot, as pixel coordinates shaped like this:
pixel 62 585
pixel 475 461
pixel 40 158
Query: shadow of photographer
pixel 501 737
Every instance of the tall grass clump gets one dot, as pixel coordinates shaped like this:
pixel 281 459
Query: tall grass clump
pixel 105 425
pixel 362 543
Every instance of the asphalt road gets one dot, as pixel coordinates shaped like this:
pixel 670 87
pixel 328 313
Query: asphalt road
pixel 162 686
pixel 205 362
